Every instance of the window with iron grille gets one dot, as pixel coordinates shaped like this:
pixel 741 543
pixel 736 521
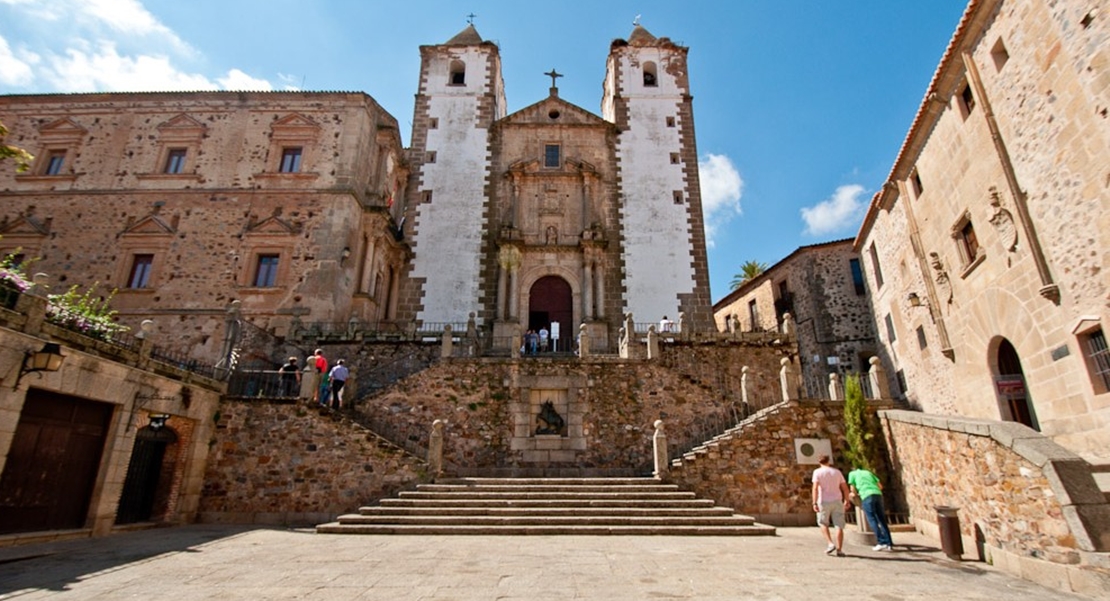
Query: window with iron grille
pixel 1098 358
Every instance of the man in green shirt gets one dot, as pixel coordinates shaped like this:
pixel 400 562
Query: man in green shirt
pixel 866 484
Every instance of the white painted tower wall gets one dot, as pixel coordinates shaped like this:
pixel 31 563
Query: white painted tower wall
pixel 658 257
pixel 449 229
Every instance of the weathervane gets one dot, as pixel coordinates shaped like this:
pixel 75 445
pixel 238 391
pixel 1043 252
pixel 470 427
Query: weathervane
pixel 553 74
pixel 636 21
pixel 470 18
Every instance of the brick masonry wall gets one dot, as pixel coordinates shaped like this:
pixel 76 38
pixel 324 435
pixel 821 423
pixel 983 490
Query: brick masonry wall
pixel 287 464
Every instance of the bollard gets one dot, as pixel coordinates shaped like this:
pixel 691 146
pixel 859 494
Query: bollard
pixel 951 542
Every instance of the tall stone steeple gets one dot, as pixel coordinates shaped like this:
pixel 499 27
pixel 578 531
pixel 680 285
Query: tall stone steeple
pixel 461 94
pixel 647 94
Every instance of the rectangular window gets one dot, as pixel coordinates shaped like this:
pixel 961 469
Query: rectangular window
pixel 915 183
pixel 921 340
pixel 551 155
pixel 875 265
pixel 857 276
pixel 55 160
pixel 291 160
pixel 890 329
pixel 1098 358
pixel 675 158
pixel 753 314
pixel 678 197
pixel 265 276
pixel 141 266
pixel 969 243
pixel 966 100
pixel 670 121
pixel 175 160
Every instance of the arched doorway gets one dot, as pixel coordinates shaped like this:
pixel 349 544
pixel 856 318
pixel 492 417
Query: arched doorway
pixel 1010 385
pixel 148 478
pixel 551 301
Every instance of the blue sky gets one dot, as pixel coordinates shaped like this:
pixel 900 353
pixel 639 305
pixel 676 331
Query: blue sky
pixel 800 106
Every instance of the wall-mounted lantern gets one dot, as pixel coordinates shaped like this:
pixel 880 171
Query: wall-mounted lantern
pixel 48 359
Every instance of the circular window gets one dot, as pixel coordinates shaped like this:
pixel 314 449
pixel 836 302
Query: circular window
pixel 553 114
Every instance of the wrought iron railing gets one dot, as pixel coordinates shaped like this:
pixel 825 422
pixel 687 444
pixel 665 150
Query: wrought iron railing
pixel 266 384
pixel 182 362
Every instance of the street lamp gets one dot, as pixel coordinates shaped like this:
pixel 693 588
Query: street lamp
pixel 48 359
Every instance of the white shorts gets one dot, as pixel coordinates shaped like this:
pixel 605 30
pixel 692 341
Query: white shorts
pixel 831 514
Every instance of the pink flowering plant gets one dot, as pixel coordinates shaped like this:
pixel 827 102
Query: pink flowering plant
pixel 85 313
pixel 12 273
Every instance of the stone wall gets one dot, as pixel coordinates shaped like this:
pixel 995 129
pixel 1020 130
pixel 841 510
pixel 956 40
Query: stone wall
pixel 1019 493
pixel 274 463
pixel 608 405
pixel 756 470
pixel 833 321
pixel 992 233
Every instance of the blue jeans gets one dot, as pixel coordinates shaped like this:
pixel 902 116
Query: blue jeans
pixel 876 516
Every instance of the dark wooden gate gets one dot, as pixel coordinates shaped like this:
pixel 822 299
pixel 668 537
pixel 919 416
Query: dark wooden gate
pixel 144 475
pixel 52 465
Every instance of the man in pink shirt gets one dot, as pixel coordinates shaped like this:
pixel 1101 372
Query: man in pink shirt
pixel 830 500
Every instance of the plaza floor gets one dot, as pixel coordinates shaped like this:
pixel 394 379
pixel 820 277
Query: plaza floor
pixel 220 562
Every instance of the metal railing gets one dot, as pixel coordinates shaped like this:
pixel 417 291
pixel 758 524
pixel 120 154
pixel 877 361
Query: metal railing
pixel 182 362
pixel 266 384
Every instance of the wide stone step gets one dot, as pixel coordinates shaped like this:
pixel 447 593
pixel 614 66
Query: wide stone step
pixel 544 502
pixel 524 494
pixel 585 506
pixel 703 511
pixel 564 520
pixel 591 488
pixel 669 530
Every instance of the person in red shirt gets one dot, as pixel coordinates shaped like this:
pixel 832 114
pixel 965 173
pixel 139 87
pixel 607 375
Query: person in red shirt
pixel 322 369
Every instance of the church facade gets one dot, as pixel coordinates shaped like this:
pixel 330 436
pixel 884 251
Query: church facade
pixel 306 207
pixel 554 214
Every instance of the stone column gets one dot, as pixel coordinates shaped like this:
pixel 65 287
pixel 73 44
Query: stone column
pixel 744 386
pixel 599 297
pixel 659 448
pixel 435 448
pixel 880 388
pixel 448 346
pixel 502 289
pixel 514 295
pixel 834 387
pixel 394 293
pixel 587 290
pixel 786 380
pixel 652 343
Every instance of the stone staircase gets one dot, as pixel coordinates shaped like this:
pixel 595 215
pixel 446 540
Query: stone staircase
pixel 589 506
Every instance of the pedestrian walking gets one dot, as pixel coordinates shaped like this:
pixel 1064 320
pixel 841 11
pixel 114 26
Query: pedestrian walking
pixel 866 484
pixel 830 500
pixel 338 377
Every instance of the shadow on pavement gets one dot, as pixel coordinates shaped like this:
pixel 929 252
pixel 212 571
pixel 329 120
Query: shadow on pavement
pixel 55 565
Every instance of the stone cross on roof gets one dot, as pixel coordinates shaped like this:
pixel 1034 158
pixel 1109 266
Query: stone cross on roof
pixel 553 73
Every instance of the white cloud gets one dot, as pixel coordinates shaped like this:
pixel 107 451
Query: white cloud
pixel 105 45
pixel 14 71
pixel 840 212
pixel 130 17
pixel 721 189
pixel 237 80
pixel 105 70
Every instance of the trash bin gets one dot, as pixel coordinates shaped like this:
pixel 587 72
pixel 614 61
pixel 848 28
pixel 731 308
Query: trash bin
pixel 951 542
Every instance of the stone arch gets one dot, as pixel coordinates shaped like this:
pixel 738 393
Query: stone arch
pixel 457 76
pixel 150 475
pixel 1014 401
pixel 651 75
pixel 983 328
pixel 528 281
